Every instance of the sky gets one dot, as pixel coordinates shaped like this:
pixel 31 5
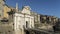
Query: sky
pixel 45 7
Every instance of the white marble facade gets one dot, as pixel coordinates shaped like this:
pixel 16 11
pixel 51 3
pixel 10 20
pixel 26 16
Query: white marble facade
pixel 23 20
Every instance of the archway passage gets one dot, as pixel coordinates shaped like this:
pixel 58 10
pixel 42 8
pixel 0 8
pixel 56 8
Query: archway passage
pixel 27 32
pixel 26 24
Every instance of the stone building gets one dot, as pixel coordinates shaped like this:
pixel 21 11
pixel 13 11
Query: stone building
pixel 4 8
pixel 2 3
pixel 23 20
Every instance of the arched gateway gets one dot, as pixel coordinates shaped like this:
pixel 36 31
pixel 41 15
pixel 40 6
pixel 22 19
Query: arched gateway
pixel 23 20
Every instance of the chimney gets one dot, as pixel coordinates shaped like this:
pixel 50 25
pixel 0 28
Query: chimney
pixel 16 7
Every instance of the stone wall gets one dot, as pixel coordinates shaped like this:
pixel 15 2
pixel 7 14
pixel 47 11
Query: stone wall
pixel 6 28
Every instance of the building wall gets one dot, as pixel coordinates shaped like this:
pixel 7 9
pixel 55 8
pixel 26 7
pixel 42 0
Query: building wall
pixel 2 3
pixel 6 10
pixel 6 28
pixel 36 19
pixel 20 22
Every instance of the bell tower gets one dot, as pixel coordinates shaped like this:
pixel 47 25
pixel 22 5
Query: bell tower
pixel 16 7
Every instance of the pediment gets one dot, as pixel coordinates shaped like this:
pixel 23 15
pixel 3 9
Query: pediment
pixel 26 10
